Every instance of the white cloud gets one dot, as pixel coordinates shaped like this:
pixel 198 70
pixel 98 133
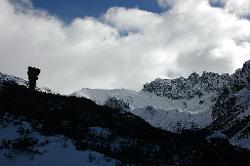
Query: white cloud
pixel 131 20
pixel 238 7
pixel 123 49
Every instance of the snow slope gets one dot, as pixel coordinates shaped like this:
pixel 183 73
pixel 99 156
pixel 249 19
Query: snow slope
pixel 6 77
pixel 56 150
pixel 166 113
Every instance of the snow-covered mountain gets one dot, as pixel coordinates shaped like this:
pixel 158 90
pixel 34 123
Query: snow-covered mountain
pixel 198 101
pixel 177 104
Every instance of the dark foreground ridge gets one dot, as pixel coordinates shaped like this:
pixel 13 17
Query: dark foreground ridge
pixel 130 139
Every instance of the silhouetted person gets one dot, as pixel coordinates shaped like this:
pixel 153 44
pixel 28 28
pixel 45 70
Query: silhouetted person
pixel 33 76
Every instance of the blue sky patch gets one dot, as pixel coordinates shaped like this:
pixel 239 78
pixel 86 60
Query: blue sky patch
pixel 70 9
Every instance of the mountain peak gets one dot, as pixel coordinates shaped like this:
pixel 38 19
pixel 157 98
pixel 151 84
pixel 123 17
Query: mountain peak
pixel 246 67
pixel 194 85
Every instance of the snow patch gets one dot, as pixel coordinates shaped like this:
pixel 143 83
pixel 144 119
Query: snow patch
pixel 57 150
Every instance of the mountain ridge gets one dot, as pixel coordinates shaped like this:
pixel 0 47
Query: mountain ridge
pixel 189 103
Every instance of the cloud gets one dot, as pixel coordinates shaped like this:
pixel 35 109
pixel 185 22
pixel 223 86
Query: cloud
pixel 125 47
pixel 165 3
pixel 238 7
pixel 131 20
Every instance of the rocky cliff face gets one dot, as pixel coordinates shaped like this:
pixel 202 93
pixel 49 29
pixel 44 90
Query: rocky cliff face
pixel 231 112
pixel 194 85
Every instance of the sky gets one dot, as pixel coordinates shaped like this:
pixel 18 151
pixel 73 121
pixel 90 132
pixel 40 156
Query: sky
pixel 112 44
pixel 68 10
